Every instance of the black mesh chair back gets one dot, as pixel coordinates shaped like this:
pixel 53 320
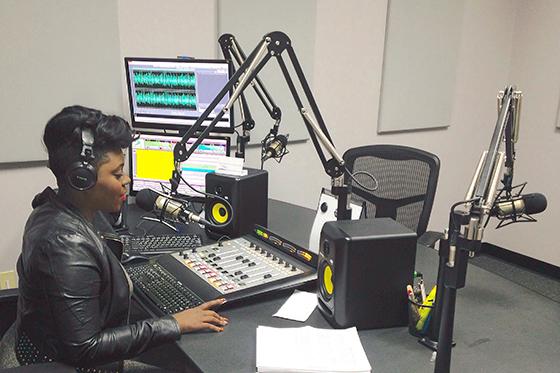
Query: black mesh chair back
pixel 407 180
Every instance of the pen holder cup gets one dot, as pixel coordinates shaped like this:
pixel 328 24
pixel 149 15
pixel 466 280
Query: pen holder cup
pixel 419 317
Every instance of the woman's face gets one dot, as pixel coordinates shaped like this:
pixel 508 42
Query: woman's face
pixel 109 193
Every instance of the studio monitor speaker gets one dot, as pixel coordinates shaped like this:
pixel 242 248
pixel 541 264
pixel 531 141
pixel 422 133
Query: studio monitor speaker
pixel 363 269
pixel 248 196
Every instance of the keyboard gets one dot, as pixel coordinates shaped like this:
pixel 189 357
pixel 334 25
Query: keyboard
pixel 160 244
pixel 167 293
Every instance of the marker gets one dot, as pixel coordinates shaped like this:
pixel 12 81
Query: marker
pixel 410 293
pixel 426 311
pixel 413 308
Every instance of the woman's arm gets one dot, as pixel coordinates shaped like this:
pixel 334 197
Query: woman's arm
pixel 71 281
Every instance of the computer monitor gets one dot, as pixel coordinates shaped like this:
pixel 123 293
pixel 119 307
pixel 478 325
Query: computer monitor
pixel 151 162
pixel 173 93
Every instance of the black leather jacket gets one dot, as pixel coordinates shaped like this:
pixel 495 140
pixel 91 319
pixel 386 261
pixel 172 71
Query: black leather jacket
pixel 74 295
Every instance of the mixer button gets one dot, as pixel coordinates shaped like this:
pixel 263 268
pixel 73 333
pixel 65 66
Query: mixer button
pixel 293 268
pixel 268 275
pixel 211 255
pixel 252 264
pixel 245 260
pixel 244 277
pixel 238 273
pixel 280 261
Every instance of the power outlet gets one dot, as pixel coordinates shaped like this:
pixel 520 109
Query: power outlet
pixel 8 280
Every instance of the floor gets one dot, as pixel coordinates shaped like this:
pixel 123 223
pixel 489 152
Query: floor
pixel 541 284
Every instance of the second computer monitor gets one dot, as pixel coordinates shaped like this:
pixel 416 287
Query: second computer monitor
pixel 151 162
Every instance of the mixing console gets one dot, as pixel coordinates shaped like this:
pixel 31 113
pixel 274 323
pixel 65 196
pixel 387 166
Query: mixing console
pixel 237 264
pixel 236 269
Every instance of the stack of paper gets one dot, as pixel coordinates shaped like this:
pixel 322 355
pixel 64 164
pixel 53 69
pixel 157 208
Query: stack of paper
pixel 310 350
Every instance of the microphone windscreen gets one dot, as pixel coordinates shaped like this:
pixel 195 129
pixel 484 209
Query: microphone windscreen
pixel 146 199
pixel 283 140
pixel 534 203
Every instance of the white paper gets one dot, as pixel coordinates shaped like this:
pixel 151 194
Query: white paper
pixel 298 307
pixel 231 166
pixel 309 349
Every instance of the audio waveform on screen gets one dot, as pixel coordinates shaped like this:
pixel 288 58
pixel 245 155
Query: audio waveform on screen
pixel 160 79
pixel 166 99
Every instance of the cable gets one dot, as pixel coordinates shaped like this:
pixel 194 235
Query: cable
pixel 353 177
pixel 224 237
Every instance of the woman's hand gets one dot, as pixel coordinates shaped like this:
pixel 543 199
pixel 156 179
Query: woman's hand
pixel 201 317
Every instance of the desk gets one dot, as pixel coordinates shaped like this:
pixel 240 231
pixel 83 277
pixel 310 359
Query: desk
pixel 499 326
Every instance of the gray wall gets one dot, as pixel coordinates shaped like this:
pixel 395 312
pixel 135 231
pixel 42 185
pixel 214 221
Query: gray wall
pixel 502 42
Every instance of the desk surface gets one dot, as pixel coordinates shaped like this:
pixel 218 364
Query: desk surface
pixel 499 325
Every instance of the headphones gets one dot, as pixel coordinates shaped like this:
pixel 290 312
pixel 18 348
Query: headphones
pixel 82 175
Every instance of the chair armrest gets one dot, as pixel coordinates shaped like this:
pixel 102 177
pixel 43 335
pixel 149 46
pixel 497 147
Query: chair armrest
pixel 429 238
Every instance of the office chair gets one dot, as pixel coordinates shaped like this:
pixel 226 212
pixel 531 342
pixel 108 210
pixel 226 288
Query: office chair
pixel 8 312
pixel 8 363
pixel 407 180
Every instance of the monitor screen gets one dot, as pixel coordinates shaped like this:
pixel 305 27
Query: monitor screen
pixel 173 93
pixel 151 162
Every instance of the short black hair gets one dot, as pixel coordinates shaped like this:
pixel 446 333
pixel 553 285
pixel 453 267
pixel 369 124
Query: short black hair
pixel 63 138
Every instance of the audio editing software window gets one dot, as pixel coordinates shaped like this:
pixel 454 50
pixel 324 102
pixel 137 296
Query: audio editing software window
pixel 151 162
pixel 174 93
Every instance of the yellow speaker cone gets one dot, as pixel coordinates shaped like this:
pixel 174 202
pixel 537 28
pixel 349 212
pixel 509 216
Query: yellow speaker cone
pixel 219 213
pixel 327 280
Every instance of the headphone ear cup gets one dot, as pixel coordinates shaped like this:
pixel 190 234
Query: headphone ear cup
pixel 81 175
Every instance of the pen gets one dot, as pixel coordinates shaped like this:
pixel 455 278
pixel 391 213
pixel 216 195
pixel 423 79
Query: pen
pixel 422 290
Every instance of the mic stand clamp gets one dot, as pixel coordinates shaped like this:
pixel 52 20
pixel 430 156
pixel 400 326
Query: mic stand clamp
pixel 244 137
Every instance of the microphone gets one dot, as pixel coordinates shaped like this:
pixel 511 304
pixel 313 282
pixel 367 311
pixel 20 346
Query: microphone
pixel 529 204
pixel 149 200
pixel 275 148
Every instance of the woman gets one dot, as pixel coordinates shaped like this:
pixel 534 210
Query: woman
pixel 74 295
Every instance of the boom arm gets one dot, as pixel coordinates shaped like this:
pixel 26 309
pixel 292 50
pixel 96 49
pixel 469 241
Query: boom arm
pixel 466 225
pixel 274 44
